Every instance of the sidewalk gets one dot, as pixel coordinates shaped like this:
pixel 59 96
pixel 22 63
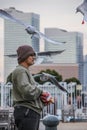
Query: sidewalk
pixel 68 126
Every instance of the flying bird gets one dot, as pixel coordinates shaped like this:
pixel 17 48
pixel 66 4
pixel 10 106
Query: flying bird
pixel 46 53
pixel 46 76
pixel 83 10
pixel 29 29
pixel 40 55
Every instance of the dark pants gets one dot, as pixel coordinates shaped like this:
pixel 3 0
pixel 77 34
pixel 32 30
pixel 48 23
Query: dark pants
pixel 26 119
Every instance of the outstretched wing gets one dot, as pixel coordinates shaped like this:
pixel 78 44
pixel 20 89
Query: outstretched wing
pixel 50 40
pixel 53 79
pixel 11 55
pixel 39 56
pixel 46 76
pixel 39 60
pixel 5 15
pixel 50 53
pixel 45 53
pixel 30 29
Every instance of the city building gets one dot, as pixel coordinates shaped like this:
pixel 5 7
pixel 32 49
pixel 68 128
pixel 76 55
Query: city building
pixel 15 35
pixel 85 73
pixel 73 47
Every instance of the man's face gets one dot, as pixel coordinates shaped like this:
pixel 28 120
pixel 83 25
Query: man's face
pixel 30 60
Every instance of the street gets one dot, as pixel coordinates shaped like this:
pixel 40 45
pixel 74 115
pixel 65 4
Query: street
pixel 68 126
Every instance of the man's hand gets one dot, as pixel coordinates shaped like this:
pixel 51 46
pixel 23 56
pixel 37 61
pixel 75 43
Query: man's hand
pixel 46 98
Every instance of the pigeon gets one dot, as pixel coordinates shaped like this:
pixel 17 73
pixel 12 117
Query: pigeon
pixel 45 76
pixel 29 28
pixel 83 10
pixel 40 55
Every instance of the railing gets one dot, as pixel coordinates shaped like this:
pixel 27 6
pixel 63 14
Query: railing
pixel 68 111
pixel 6 116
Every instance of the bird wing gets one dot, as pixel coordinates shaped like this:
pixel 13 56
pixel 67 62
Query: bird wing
pixel 39 60
pixel 45 53
pixel 37 75
pixel 50 53
pixel 58 85
pixel 5 15
pixel 54 81
pixel 11 55
pixel 51 40
pixel 82 8
pixel 30 29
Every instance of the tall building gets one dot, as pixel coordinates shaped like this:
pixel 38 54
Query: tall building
pixel 73 47
pixel 85 73
pixel 15 35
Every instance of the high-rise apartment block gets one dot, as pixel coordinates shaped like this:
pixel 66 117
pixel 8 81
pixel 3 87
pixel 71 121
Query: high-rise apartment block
pixel 15 35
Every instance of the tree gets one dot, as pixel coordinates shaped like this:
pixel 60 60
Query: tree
pixel 73 79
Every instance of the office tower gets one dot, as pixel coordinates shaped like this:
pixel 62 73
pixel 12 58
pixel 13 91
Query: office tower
pixel 85 73
pixel 15 35
pixel 73 47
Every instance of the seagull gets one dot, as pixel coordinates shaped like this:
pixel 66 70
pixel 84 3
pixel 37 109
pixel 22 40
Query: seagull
pixel 83 10
pixel 29 28
pixel 45 76
pixel 46 53
pixel 39 55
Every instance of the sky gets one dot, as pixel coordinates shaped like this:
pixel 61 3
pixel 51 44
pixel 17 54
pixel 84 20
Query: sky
pixel 53 13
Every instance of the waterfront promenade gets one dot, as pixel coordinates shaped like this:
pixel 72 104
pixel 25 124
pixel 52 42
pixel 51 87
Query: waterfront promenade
pixel 68 126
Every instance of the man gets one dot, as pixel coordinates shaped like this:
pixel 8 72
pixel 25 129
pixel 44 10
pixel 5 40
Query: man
pixel 28 98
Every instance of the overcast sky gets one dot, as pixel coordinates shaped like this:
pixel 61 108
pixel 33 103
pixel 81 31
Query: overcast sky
pixel 53 13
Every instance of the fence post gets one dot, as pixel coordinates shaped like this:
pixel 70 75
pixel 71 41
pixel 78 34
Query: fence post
pixel 50 122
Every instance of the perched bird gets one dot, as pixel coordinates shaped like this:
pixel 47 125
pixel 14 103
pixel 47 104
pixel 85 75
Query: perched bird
pixel 30 29
pixel 39 55
pixel 83 10
pixel 46 76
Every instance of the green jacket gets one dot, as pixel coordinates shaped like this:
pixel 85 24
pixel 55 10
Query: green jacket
pixel 25 90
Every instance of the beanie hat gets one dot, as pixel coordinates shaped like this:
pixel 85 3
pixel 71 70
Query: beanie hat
pixel 23 52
